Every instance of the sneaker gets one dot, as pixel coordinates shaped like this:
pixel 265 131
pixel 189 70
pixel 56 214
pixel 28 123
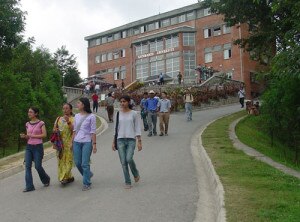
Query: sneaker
pixel 47 184
pixel 150 134
pixel 155 134
pixel 127 186
pixel 161 134
pixel 137 179
pixel 28 190
pixel 86 187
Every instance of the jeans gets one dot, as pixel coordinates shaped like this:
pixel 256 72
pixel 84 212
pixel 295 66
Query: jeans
pixel 188 111
pixel 242 102
pixel 152 120
pixel 82 154
pixel 34 153
pixel 95 106
pixel 126 148
pixel 145 120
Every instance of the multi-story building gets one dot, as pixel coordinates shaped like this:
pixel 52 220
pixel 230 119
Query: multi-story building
pixel 169 43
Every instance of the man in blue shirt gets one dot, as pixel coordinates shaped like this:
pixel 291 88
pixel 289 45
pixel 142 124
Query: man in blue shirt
pixel 144 112
pixel 151 107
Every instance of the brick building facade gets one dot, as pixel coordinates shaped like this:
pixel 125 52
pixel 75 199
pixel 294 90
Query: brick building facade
pixel 169 43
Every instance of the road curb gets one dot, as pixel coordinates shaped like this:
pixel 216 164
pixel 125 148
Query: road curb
pixel 49 155
pixel 201 157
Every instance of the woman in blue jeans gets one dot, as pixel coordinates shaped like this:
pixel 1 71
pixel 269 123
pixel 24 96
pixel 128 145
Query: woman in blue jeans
pixel 128 131
pixel 84 140
pixel 35 132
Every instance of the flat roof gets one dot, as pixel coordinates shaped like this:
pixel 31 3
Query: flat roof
pixel 146 20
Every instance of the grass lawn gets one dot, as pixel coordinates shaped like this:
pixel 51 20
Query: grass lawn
pixel 250 128
pixel 254 191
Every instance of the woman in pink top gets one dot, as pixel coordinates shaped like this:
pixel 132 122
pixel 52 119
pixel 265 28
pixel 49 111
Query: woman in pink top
pixel 35 132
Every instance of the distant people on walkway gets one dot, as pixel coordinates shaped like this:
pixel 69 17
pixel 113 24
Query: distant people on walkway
pixel 122 85
pixel 144 112
pixel 179 78
pixel 241 95
pixel 97 88
pixel 161 79
pixel 188 104
pixel 151 107
pixel 164 106
pixel 87 89
pixel 109 101
pixel 95 99
pixel 35 132
pixel 84 140
pixel 65 125
pixel 128 132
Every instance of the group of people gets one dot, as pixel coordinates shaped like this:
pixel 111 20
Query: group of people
pixel 78 137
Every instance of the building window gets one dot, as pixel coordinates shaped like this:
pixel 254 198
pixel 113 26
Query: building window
pixel 97 59
pixel 181 18
pixel 151 27
pixel 157 67
pixel 123 53
pixel 172 67
pixel 104 40
pixel 165 22
pixel 189 66
pixel 207 33
pixel 143 29
pixel 109 56
pixel 226 29
pixel 123 72
pixel 136 31
pixel 188 39
pixel 208 57
pixel 103 57
pixel 117 36
pixel 229 75
pixel 172 42
pixel 142 71
pixel 109 38
pixel 217 31
pixel 98 41
pixel 116 54
pixel 92 43
pixel 227 51
pixel 156 45
pixel 174 20
pixel 207 12
pixel 123 34
pixel 141 49
pixel 200 13
pixel 190 16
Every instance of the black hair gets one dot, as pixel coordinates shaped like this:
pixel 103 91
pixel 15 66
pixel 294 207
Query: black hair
pixel 109 94
pixel 71 108
pixel 146 93
pixel 165 93
pixel 86 104
pixel 35 110
pixel 128 99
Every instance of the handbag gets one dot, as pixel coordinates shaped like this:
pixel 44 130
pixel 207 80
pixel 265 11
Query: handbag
pixel 56 138
pixel 116 131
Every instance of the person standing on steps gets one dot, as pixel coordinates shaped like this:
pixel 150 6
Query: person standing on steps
pixel 241 94
pixel 151 107
pixel 164 106
pixel 179 78
pixel 84 140
pixel 188 103
pixel 144 111
pixel 65 125
pixel 128 134
pixel 35 132
pixel 110 107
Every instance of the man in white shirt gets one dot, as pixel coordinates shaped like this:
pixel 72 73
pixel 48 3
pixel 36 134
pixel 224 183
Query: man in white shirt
pixel 241 94
pixel 164 108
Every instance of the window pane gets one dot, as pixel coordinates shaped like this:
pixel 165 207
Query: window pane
pixel 104 39
pixel 208 57
pixel 97 59
pixel 165 22
pixel 109 56
pixel 190 16
pixel 181 18
pixel 226 29
pixel 174 20
pixel 103 57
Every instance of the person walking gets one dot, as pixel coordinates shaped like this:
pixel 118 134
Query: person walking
pixel 151 107
pixel 241 94
pixel 128 133
pixel 188 103
pixel 109 101
pixel 35 132
pixel 164 106
pixel 65 125
pixel 179 77
pixel 95 102
pixel 84 140
pixel 144 111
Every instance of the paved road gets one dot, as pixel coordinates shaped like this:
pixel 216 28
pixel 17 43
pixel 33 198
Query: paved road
pixel 167 192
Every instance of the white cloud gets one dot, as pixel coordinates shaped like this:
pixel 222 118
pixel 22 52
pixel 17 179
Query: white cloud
pixel 55 23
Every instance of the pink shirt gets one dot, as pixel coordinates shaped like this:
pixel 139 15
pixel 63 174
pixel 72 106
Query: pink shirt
pixel 34 129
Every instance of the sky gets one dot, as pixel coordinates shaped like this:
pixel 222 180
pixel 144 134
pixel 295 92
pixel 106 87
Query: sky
pixel 54 23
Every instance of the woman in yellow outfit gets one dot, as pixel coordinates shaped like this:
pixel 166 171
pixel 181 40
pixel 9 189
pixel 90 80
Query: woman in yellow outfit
pixel 65 126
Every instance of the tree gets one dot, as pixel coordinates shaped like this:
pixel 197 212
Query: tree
pixel 68 67
pixel 11 27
